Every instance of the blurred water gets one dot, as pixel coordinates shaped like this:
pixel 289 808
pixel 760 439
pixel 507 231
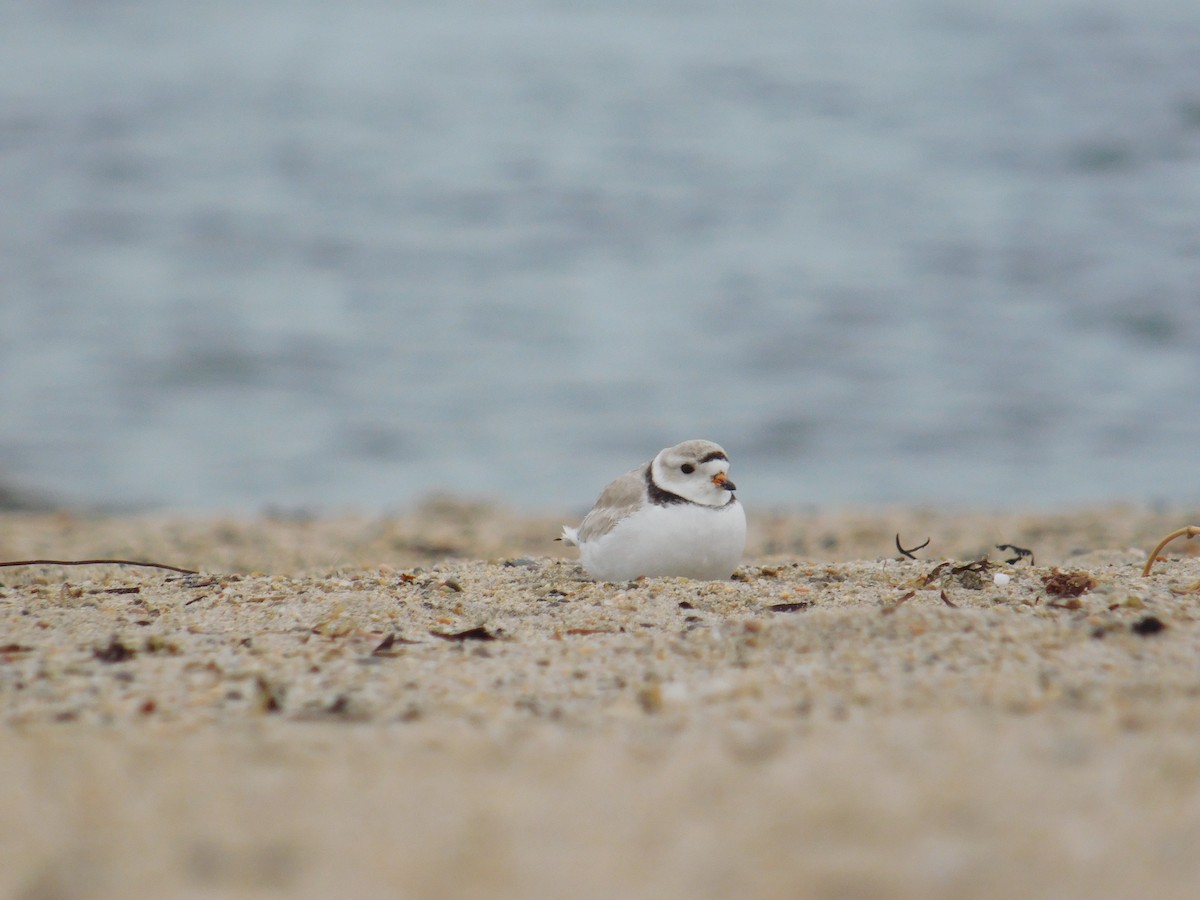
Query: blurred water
pixel 327 255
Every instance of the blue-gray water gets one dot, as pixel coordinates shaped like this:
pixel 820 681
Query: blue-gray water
pixel 325 255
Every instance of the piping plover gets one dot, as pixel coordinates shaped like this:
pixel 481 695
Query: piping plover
pixel 675 515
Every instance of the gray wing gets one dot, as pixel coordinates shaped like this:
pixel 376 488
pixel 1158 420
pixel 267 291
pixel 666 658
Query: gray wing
pixel 619 499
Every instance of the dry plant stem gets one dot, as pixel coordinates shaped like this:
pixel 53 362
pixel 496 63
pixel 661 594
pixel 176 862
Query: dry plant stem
pixel 1191 531
pixel 97 562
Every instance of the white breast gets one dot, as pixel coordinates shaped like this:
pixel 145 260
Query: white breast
pixel 680 539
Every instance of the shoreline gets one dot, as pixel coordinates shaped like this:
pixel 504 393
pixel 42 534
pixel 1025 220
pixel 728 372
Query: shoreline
pixel 437 703
pixel 444 528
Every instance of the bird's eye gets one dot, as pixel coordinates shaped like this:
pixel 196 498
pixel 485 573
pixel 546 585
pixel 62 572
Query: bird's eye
pixel 687 468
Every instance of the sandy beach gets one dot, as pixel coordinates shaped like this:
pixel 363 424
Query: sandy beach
pixel 441 704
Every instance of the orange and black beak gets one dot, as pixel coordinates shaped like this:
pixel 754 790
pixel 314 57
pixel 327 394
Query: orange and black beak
pixel 721 480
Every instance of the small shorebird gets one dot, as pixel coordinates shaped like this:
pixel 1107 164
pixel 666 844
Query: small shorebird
pixel 675 515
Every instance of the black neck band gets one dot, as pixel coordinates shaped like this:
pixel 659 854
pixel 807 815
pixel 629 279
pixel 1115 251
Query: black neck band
pixel 659 496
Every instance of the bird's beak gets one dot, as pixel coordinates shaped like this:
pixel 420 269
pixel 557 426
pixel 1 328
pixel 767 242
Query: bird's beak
pixel 721 480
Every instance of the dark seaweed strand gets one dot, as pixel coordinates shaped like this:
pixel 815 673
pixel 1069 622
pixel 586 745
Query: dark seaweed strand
pixel 97 562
